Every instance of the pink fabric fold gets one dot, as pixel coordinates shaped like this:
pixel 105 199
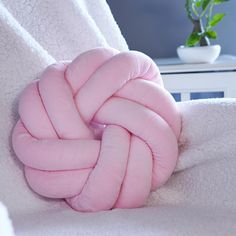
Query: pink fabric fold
pixel 100 131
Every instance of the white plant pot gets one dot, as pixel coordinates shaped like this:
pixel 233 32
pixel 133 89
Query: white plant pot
pixel 200 54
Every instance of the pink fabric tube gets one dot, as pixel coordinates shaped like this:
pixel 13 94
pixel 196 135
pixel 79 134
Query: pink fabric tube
pixel 100 131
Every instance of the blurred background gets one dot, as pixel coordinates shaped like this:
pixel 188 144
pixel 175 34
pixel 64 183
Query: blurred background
pixel 158 27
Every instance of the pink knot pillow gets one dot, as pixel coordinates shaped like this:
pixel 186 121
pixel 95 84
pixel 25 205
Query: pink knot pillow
pixel 100 131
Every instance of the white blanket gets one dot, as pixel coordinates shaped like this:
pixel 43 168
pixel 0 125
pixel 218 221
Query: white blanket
pixel 199 199
pixel 206 172
pixel 5 223
pixel 34 34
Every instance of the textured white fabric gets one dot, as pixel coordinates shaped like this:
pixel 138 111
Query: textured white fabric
pixel 206 172
pixel 5 223
pixel 164 220
pixel 34 34
pixel 199 199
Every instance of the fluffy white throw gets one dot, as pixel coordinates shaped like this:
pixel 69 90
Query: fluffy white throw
pixel 206 172
pixel 199 199
pixel 5 223
pixel 34 34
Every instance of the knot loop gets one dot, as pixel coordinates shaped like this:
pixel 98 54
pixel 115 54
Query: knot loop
pixel 100 131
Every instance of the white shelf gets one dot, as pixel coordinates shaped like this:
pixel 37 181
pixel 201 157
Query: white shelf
pixel 174 65
pixel 186 79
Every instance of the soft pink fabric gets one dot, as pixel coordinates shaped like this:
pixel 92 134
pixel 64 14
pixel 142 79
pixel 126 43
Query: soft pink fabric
pixel 100 131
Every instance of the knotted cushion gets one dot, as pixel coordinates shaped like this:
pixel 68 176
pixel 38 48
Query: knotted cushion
pixel 100 131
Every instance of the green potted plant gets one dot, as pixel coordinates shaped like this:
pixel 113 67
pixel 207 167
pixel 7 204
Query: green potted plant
pixel 197 48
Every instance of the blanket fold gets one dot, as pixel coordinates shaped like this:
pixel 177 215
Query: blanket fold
pixel 205 175
pixel 5 223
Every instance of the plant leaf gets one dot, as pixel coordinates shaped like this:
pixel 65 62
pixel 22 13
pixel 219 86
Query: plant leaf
pixel 198 3
pixel 205 4
pixel 193 39
pixel 216 19
pixel 211 34
pixel 216 2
